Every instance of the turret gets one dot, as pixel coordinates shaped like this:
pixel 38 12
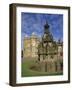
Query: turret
pixel 47 37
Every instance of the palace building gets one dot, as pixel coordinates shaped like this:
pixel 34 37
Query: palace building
pixel 48 52
pixel 34 47
pixel 31 46
pixel 48 48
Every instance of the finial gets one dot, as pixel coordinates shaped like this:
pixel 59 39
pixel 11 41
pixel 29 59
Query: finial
pixel 46 25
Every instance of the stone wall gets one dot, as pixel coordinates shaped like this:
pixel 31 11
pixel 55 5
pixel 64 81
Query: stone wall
pixel 30 47
pixel 51 66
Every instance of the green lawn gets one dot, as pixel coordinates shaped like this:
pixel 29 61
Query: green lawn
pixel 26 71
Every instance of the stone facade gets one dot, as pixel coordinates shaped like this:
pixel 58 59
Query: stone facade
pixel 50 52
pixel 48 48
pixel 30 46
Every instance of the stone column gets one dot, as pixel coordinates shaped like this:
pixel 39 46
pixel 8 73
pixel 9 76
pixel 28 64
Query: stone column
pixel 53 66
pixel 42 66
pixel 58 67
pixel 49 66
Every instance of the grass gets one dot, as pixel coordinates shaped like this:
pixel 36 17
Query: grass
pixel 26 71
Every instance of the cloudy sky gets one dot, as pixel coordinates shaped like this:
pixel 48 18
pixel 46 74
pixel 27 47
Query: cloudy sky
pixel 34 23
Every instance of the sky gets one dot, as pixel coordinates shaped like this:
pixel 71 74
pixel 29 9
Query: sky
pixel 34 23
